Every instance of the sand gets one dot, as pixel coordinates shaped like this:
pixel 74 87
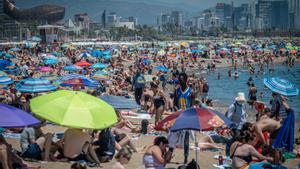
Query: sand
pixel 206 160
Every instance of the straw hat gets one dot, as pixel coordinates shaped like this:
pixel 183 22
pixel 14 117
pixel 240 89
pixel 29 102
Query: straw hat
pixel 240 97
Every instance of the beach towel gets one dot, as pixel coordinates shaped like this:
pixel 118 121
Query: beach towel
pixel 286 137
pixel 263 165
pixel 140 116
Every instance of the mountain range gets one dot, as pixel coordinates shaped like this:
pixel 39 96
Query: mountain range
pixel 145 10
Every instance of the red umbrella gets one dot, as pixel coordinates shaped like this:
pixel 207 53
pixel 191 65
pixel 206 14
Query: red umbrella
pixel 83 64
pixel 73 82
pixel 167 122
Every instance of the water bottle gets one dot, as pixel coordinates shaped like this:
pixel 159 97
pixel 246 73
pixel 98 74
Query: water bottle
pixel 221 159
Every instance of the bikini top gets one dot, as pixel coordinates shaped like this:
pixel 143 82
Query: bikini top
pixel 247 159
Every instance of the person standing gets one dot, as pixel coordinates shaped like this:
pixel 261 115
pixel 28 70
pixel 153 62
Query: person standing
pixel 139 85
pixel 236 111
pixel 183 99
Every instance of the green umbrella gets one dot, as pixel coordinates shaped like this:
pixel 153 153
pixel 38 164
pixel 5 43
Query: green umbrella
pixel 74 109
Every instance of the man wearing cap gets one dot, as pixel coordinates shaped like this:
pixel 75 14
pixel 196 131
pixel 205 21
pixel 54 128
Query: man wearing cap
pixel 236 111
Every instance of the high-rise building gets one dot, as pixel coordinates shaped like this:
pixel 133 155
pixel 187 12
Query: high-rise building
pixel 165 19
pixel 83 20
pixel 103 19
pixel 294 14
pixel 274 13
pixel 111 18
pixel 222 11
pixel 134 20
pixel 177 17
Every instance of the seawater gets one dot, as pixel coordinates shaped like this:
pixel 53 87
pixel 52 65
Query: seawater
pixel 226 89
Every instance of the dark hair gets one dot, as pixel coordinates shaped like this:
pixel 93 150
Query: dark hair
pixel 244 136
pixel 160 139
pixel 184 75
pixel 246 126
pixel 153 85
pixel 78 166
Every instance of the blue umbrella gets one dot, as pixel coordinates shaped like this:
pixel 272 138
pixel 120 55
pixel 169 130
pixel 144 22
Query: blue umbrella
pixel 4 64
pixel 97 53
pixel 11 69
pixel 72 68
pixel 36 39
pixel 107 57
pixel 162 68
pixel 12 117
pixel 50 61
pixel 4 80
pixel 106 52
pixel 8 55
pixel 35 85
pixel 281 86
pixel 89 82
pixel 98 65
pixel 120 102
pixel 286 136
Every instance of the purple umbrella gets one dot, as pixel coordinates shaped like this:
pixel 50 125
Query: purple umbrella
pixel 12 117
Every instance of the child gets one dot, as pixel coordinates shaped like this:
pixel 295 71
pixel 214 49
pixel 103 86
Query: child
pixel 123 157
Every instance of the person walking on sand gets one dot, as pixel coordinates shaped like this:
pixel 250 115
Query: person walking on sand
pixel 236 111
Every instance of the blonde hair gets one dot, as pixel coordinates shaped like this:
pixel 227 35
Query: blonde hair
pixel 124 152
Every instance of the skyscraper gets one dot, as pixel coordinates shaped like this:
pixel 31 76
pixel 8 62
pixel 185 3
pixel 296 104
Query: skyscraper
pixel 294 12
pixel 103 19
pixel 177 17
pixel 274 13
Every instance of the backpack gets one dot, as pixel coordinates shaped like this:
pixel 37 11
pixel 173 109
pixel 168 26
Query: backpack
pixel 106 143
pixel 226 113
pixel 190 165
pixel 144 126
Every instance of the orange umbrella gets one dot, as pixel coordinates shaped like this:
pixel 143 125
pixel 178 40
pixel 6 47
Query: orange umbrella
pixel 83 64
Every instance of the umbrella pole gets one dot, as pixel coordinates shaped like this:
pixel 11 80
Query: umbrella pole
pixel 196 145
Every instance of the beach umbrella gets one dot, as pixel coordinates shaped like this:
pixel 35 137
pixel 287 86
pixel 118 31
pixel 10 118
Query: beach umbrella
pixel 167 122
pixel 281 86
pixel 101 73
pixel 45 69
pixel 8 55
pixel 35 85
pixel 162 68
pixel 83 64
pixel 2 73
pixel 5 80
pixel 98 65
pixel 15 49
pixel 50 77
pixel 4 64
pixel 97 53
pixel 74 109
pixel 85 55
pixel 12 117
pixel 11 69
pixel 107 57
pixel 286 136
pixel 200 119
pixel 50 61
pixel 89 82
pixel 72 68
pixel 49 56
pixel 120 102
pixel 36 39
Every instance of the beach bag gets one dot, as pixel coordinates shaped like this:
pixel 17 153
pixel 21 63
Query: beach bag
pixel 193 165
pixel 106 143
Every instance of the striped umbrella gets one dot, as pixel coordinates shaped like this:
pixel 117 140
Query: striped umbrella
pixel 72 68
pixel 89 82
pixel 50 61
pixel 11 69
pixel 5 80
pixel 85 55
pixel 281 86
pixel 2 73
pixel 35 85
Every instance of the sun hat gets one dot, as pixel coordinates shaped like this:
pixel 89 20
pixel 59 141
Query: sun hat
pixel 240 97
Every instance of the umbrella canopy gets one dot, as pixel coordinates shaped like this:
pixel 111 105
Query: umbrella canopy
pixel 162 68
pixel 85 80
pixel 120 102
pixel 97 53
pixel 12 117
pixel 11 69
pixel 281 86
pixel 15 49
pixel 98 65
pixel 72 68
pixel 201 119
pixel 5 80
pixel 35 85
pixel 50 77
pixel 85 55
pixel 74 109
pixel 4 64
pixel 2 73
pixel 45 69
pixel 100 73
pixel 50 61
pixel 286 136
pixel 83 64
pixel 167 122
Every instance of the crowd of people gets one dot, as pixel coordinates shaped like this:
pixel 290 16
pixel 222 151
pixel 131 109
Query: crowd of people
pixel 161 84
